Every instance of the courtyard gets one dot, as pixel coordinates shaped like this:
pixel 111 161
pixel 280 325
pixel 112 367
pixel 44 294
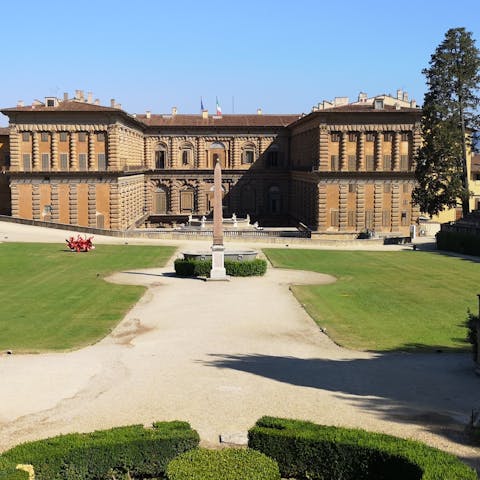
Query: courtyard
pixel 221 355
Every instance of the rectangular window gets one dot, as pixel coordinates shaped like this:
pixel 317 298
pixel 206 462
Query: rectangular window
pixel 352 137
pixel 63 136
pixel 406 188
pixel 404 163
pixel 44 137
pixel 369 219
pixel 100 137
pixel 404 219
pixel 102 162
pixel 248 156
pixel 27 164
pixel 335 164
pixel 82 136
pixel 334 222
pixel 387 163
pixel 386 218
pixel 351 188
pixel 45 162
pixel 387 188
pixel 405 137
pixel 25 136
pixel 352 163
pixel 370 163
pixel 82 162
pixel 64 162
pixel 335 137
pixel 351 218
pixel 370 137
pixel 387 136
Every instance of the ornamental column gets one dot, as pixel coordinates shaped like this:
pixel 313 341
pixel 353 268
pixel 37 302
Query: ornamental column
pixel 342 206
pixel 360 207
pixel 361 151
pixel 343 151
pixel 55 166
pixel 15 160
pixel 54 201
pixel 36 201
pixel 395 207
pixel 323 161
pixel 35 152
pixel 378 151
pixel 73 153
pixel 73 204
pixel 396 151
pixel 322 206
pixel 378 205
pixel 91 151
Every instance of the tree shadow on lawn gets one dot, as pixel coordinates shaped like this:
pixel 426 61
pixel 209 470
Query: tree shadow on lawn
pixel 436 391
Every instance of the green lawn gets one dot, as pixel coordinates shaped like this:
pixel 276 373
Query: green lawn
pixel 53 299
pixel 388 300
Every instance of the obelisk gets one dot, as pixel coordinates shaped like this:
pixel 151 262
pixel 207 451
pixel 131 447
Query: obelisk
pixel 218 250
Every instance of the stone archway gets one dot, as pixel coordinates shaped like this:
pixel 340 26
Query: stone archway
pixel 217 151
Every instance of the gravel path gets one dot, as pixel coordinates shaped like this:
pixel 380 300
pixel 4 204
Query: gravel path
pixel 222 354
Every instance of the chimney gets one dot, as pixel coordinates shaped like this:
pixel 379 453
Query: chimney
pixel 174 111
pixel 413 104
pixel 259 111
pixel 205 114
pixel 148 114
pixel 97 101
pixel 112 102
pixel 80 95
pixel 118 105
pixel 20 103
pixel 362 97
pixel 90 97
pixel 65 96
pixel 399 94
pixel 77 94
pixel 405 97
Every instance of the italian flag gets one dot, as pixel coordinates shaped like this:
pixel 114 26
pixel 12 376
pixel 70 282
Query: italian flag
pixel 219 108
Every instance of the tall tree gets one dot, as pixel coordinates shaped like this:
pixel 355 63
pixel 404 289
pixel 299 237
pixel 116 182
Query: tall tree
pixel 450 114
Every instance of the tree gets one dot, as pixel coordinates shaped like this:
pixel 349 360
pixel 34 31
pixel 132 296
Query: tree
pixel 450 115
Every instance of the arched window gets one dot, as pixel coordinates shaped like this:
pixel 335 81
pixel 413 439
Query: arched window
pixel 216 145
pixel 273 156
pixel 248 153
pixel 160 156
pixel 186 154
pixel 274 199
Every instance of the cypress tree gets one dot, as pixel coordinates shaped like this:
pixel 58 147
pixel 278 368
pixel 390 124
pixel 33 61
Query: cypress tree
pixel 450 115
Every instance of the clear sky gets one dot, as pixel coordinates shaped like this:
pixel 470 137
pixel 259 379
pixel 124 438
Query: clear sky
pixel 284 56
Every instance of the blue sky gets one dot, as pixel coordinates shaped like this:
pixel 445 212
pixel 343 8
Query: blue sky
pixel 283 56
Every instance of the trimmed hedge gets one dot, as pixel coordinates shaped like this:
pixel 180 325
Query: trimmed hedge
pixel 459 242
pixel 306 450
pixel 227 464
pixel 201 268
pixel 91 456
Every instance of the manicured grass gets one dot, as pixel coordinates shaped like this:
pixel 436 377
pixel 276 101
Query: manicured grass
pixel 53 299
pixel 388 300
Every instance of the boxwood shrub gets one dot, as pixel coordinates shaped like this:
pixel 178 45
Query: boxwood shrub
pixel 201 268
pixel 306 450
pixel 227 464
pixel 143 452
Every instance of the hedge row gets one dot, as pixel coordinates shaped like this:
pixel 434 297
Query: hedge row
pixel 143 452
pixel 466 243
pixel 227 464
pixel 201 268
pixel 306 450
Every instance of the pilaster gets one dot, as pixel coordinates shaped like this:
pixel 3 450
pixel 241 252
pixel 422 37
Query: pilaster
pixel 378 151
pixel 343 151
pixel 342 206
pixel 36 201
pixel 35 152
pixel 91 151
pixel 54 201
pixel 14 195
pixel 15 160
pixel 73 153
pixel 395 207
pixel 322 206
pixel 92 205
pixel 54 149
pixel 396 151
pixel 361 151
pixel 378 205
pixel 323 162
pixel 360 207
pixel 73 204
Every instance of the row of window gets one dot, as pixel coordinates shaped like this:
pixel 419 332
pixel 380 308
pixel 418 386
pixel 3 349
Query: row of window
pixel 247 157
pixel 369 163
pixel 387 188
pixel 369 218
pixel 64 162
pixel 63 136
pixel 370 136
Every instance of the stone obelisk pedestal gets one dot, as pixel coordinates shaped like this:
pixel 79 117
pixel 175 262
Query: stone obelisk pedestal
pixel 218 250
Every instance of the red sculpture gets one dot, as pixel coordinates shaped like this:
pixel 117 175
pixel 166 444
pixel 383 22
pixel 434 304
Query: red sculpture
pixel 80 244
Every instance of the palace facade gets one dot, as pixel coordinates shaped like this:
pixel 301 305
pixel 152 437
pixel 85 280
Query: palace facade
pixel 344 167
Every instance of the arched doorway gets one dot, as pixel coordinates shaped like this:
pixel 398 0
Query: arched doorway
pixel 217 152
pixel 160 201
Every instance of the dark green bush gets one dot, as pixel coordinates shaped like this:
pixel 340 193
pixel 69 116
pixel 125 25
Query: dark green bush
pixel 141 452
pixel 459 242
pixel 201 268
pixel 306 450
pixel 472 323
pixel 227 464
pixel 247 268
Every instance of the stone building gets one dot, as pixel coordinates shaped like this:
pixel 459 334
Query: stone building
pixel 344 167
